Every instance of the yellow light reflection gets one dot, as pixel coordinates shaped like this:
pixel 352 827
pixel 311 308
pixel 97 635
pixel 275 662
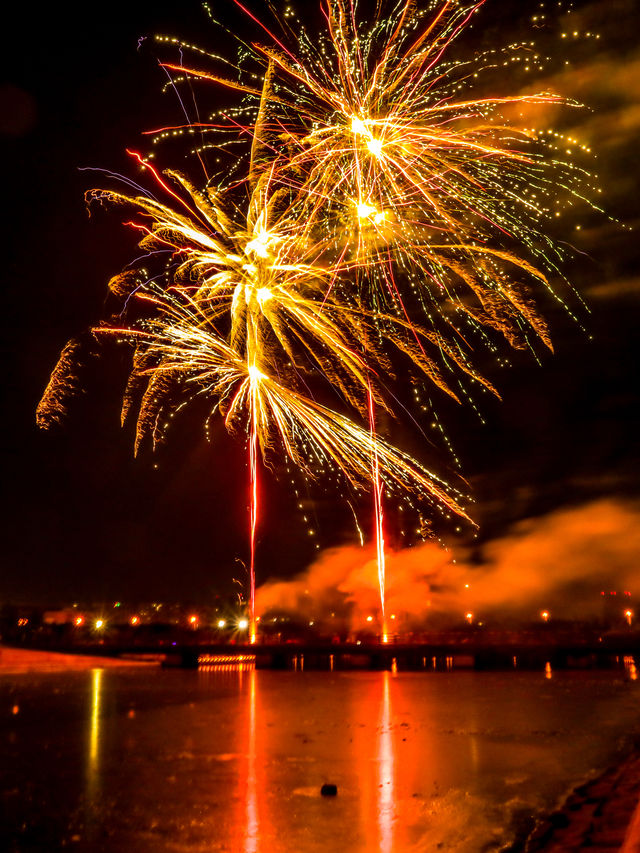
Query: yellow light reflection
pixel 94 731
pixel 93 777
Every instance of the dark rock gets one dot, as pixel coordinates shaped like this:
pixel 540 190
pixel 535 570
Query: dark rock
pixel 559 819
pixel 329 790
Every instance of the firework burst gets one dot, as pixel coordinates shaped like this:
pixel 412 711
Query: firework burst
pixel 386 215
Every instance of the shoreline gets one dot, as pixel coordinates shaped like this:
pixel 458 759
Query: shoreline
pixel 14 661
pixel 601 815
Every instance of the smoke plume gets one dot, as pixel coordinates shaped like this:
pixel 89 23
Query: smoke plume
pixel 561 562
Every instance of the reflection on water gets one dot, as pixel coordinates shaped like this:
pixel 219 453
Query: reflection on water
pixel 234 759
pixel 252 822
pixel 93 775
pixel 94 730
pixel 386 761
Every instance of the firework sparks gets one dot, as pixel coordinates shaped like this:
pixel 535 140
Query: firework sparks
pixel 387 215
pixel 403 172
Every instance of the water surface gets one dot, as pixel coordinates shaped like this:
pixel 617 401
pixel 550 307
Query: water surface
pixel 151 760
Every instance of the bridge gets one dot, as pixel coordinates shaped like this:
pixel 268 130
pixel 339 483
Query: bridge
pixel 437 653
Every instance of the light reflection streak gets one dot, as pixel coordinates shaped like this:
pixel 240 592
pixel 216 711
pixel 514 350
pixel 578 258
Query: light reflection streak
pixel 94 730
pixel 93 792
pixel 373 130
pixel 252 823
pixel 630 667
pixel 386 770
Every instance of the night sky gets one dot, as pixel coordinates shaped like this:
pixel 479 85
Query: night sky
pixel 83 519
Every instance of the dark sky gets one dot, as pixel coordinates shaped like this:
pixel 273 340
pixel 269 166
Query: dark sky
pixel 81 517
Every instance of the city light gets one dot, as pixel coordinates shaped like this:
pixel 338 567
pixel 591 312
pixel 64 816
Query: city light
pixel 243 624
pixel 99 623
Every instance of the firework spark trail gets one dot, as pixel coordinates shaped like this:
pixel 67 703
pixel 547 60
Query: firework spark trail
pixel 253 463
pixel 378 516
pixel 254 286
pixel 179 351
pixel 382 221
pixel 412 162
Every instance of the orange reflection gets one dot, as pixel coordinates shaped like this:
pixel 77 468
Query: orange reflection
pixel 374 754
pixel 630 667
pixel 386 770
pixel 250 777
pixel 252 827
